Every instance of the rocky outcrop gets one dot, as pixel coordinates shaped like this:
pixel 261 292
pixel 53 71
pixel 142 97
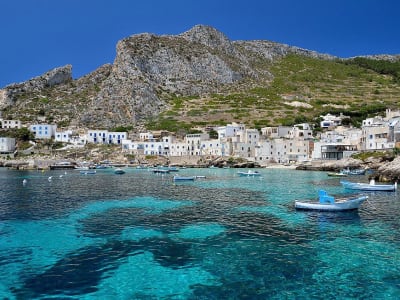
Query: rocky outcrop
pixel 333 165
pixel 57 76
pixel 148 71
pixel 388 171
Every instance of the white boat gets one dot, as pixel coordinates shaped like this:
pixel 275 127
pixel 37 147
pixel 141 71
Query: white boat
pixel 371 186
pixel 249 173
pixel 88 172
pixel 353 172
pixel 119 171
pixel 329 203
pixel 336 174
pixel 184 178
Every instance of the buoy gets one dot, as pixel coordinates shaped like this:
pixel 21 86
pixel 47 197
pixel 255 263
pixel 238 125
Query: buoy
pixel 24 182
pixel 49 179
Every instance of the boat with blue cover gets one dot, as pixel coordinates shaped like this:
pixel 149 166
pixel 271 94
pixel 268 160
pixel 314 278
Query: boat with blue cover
pixel 329 203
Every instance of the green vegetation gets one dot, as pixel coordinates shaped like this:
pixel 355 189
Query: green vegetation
pixel 287 91
pixel 386 67
pixel 122 129
pixel 368 154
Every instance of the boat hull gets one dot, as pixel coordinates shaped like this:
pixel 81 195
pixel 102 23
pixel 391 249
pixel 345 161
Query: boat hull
pixel 368 187
pixel 349 204
pixel 184 178
pixel 249 174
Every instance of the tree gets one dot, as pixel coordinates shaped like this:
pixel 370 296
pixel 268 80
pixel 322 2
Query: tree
pixel 23 134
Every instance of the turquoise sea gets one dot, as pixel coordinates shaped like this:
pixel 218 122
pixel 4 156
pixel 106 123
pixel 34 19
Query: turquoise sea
pixel 141 236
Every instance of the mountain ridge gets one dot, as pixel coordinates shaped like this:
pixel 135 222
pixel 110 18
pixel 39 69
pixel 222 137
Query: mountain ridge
pixel 150 71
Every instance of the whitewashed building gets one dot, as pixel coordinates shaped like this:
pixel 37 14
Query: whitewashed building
pixel 8 124
pixel 7 145
pixel 178 149
pixel 229 130
pixel 212 147
pixel 43 131
pixel 105 137
pixel 331 120
pixel 63 136
pixel 194 142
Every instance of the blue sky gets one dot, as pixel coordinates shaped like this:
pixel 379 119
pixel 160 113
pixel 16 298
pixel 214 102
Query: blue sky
pixel 39 35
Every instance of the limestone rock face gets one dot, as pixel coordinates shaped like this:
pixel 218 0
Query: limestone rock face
pixel 53 77
pixel 148 71
pixel 149 68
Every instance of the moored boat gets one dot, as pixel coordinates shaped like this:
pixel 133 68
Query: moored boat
pixel 88 172
pixel 184 178
pixel 249 173
pixel 119 171
pixel 353 172
pixel 371 186
pixel 336 174
pixel 329 203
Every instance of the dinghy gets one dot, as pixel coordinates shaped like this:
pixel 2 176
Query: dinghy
pixel 329 203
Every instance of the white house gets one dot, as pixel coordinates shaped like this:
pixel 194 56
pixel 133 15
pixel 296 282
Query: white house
pixel 7 145
pixel 194 142
pixel 64 136
pixel 212 147
pixel 376 137
pixel 331 120
pixel 178 149
pixel 105 137
pixel 229 130
pixel 6 124
pixel 43 131
pixel 301 131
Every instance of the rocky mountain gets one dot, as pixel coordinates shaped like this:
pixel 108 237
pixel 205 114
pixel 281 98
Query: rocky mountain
pixel 148 73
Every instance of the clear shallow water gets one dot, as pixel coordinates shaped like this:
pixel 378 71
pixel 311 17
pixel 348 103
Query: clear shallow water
pixel 140 236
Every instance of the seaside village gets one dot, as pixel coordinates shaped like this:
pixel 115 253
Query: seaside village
pixel 288 145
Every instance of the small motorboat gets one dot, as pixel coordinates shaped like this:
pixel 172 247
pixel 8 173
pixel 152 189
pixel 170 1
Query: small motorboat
pixel 184 178
pixel 88 172
pixel 119 171
pixel 371 186
pixel 161 171
pixel 353 171
pixel 329 203
pixel 336 174
pixel 249 173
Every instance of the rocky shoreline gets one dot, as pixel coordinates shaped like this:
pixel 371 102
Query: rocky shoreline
pixel 383 169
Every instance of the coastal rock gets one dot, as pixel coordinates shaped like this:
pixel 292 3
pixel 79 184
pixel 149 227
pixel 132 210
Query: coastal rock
pixel 389 171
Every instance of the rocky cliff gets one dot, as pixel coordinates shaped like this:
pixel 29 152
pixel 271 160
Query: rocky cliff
pixel 148 71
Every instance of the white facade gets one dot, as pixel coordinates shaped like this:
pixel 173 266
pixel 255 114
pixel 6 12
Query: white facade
pixel 331 120
pixel 229 130
pixel 376 137
pixel 178 149
pixel 64 136
pixel 7 145
pixel 43 131
pixel 301 131
pixel 144 136
pixel 212 147
pixel 105 137
pixel 11 124
pixel 194 142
